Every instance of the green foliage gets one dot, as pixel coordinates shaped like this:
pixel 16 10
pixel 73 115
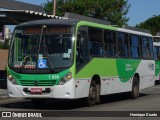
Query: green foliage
pixel 1 45
pixel 152 24
pixel 4 45
pixel 111 10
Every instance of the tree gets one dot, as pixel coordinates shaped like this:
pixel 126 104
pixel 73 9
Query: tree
pixel 1 45
pixel 4 45
pixel 152 24
pixel 111 10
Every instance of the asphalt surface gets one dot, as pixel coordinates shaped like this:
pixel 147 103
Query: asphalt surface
pixel 3 94
pixel 149 100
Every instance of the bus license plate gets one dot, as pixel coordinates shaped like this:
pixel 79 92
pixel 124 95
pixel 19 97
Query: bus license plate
pixel 36 90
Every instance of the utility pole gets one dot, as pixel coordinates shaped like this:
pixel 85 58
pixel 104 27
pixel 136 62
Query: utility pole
pixel 54 8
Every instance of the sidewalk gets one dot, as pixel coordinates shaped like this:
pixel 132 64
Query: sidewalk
pixel 3 94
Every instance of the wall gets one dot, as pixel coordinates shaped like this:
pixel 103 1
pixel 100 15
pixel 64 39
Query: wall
pixel 3 58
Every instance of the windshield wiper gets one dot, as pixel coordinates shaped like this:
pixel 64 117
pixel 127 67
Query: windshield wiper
pixel 40 39
pixel 50 64
pixel 48 57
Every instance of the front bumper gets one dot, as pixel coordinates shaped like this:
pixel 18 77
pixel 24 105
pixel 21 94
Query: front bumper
pixel 66 91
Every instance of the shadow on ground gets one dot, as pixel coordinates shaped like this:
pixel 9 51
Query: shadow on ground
pixel 54 104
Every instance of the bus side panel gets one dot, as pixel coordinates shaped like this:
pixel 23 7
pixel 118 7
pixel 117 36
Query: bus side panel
pixel 146 70
pixel 116 75
pixel 82 87
pixel 157 71
pixel 102 67
pixel 119 87
pixel 109 85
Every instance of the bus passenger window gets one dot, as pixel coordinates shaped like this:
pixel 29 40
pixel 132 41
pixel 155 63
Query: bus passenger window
pixel 110 44
pixel 95 42
pixel 95 50
pixel 145 48
pixel 123 44
pixel 134 40
pixel 151 48
pixel 157 52
pixel 82 53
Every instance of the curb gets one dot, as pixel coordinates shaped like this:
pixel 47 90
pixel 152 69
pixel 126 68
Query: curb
pixel 4 97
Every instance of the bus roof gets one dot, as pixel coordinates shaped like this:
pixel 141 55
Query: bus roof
pixel 134 32
pixel 156 38
pixel 50 21
pixel 73 22
pixel 156 43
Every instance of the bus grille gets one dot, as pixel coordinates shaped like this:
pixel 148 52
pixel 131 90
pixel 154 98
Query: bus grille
pixel 40 82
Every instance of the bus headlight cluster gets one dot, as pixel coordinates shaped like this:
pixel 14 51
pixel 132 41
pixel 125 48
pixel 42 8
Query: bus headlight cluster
pixel 65 79
pixel 11 79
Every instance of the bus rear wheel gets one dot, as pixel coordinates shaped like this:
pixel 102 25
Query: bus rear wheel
pixel 94 96
pixel 135 88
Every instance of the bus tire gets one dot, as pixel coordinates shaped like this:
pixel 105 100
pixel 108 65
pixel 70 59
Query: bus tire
pixel 93 96
pixel 98 94
pixel 135 88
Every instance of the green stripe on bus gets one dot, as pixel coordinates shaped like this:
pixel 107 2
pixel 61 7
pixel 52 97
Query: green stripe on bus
pixel 25 78
pixel 110 67
pixel 101 66
pixel 84 23
pixel 157 68
pixel 126 68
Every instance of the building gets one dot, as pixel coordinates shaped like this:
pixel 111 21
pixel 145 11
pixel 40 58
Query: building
pixel 17 5
pixel 13 12
pixel 3 67
pixel 5 34
pixel 13 5
pixel 3 62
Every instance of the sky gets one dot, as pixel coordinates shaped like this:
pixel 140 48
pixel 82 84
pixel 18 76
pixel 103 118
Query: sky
pixel 139 11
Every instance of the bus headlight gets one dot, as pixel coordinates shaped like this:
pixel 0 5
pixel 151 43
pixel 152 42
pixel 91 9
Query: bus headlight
pixel 11 79
pixel 65 79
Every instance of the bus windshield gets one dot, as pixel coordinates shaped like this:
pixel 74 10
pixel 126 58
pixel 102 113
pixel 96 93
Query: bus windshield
pixel 41 47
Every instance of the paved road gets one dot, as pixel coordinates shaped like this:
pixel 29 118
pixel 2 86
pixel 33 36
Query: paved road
pixel 149 100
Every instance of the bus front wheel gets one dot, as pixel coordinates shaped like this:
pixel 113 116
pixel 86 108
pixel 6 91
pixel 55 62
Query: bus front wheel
pixel 93 96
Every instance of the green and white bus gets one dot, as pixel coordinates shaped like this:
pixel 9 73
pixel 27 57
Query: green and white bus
pixel 156 44
pixel 71 59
